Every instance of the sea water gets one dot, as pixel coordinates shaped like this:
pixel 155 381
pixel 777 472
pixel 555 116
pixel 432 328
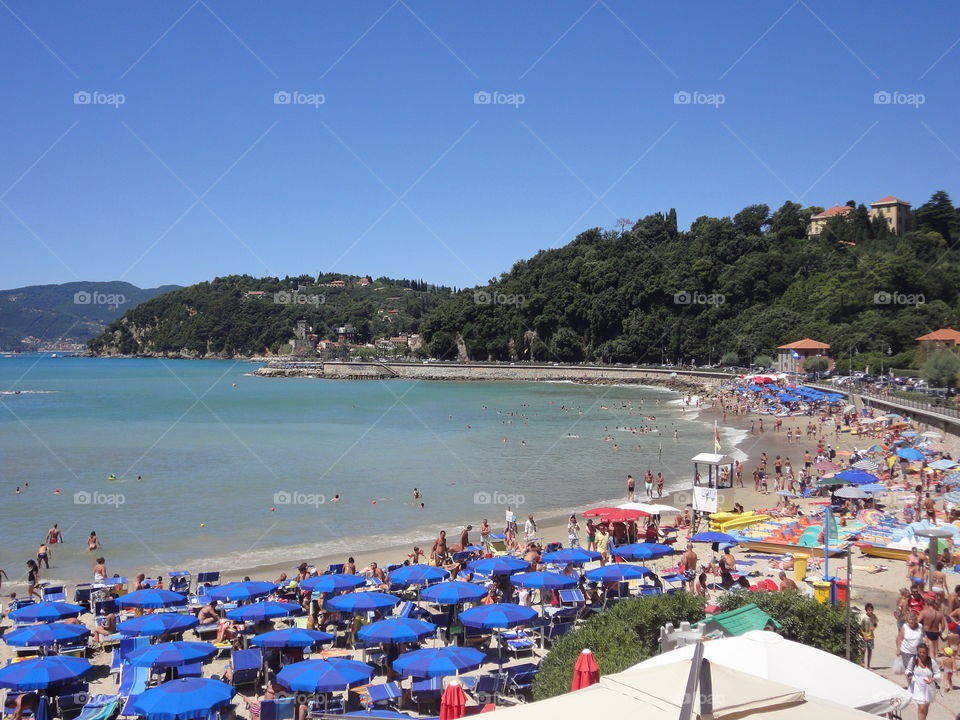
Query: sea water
pixel 239 471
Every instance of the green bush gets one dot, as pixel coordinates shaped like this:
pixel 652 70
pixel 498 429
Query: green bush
pixel 619 637
pixel 815 364
pixel 730 359
pixel 804 620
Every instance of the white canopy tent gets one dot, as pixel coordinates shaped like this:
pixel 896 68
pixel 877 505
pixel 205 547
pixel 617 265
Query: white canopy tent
pixel 817 673
pixel 657 693
pixel 650 508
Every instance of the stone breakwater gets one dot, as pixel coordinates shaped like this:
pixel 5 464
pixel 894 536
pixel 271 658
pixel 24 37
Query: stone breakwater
pixel 683 381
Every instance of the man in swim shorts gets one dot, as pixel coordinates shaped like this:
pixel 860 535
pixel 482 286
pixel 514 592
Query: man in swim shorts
pixel 932 621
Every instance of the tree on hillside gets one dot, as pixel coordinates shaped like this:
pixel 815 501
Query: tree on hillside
pixel 764 361
pixel 730 358
pixel 938 215
pixel 941 368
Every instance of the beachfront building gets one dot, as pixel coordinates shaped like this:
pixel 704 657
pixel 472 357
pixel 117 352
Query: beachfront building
pixel 944 339
pixel 896 213
pixel 820 220
pixel 790 357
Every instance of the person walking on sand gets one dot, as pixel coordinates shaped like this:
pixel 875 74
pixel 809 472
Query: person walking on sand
pixel 688 566
pixel 922 676
pixel 659 484
pixel 631 486
pixel 868 629
pixel 932 621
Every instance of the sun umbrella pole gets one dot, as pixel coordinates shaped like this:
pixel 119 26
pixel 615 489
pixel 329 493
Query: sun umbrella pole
pixel 693 681
pixel 849 594
pixel 826 542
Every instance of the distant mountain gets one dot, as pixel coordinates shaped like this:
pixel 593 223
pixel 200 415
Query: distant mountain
pixel 62 316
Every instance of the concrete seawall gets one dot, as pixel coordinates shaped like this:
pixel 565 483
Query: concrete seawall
pixel 680 380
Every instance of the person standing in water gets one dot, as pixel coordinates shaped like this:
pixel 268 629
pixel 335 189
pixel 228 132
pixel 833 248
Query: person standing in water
pixel 93 542
pixel 54 535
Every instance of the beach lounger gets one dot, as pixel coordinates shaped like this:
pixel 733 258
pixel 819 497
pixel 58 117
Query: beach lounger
pixel 55 593
pixel 279 709
pixel 81 595
pixel 553 547
pixel 68 698
pixel 424 692
pixel 105 607
pixel 133 682
pixel 384 694
pixel 100 707
pixel 208 579
pixel 556 631
pixel 489 687
pixel 519 679
pixel 247 666
pixel 180 581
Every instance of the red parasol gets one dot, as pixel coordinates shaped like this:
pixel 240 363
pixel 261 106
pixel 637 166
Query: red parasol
pixel 453 704
pixel 600 511
pixel 585 672
pixel 619 515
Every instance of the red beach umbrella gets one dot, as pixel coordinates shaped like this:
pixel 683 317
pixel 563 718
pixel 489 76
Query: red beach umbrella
pixel 600 512
pixel 585 672
pixel 619 515
pixel 453 704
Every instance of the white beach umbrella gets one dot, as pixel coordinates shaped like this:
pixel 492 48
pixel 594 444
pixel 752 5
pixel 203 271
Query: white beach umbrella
pixel 651 508
pixel 768 655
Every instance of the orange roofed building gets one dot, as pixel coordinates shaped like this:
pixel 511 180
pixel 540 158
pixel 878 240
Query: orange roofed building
pixel 819 221
pixel 944 339
pixel 895 213
pixel 790 357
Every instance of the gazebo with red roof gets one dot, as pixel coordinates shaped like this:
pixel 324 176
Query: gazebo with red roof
pixel 790 357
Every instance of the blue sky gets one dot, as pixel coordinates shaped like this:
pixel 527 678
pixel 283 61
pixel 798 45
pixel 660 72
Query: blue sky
pixel 399 172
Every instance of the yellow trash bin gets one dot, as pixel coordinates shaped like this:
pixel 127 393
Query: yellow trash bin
pixel 800 566
pixel 821 592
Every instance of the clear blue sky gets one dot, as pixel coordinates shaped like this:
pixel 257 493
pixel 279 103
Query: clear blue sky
pixel 98 192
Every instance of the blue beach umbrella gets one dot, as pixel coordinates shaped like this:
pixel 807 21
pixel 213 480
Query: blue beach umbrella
pixel 857 477
pixel 45 635
pixel 617 572
pixel 157 624
pixel 713 537
pixel 43 672
pixel 291 638
pixel 497 615
pixel 577 556
pixel 49 611
pixel 396 630
pixel 312 676
pixel 151 599
pixel 909 434
pixel 910 454
pixel 453 592
pixel 362 602
pixel 543 581
pixel 418 574
pixel 171 654
pixel 505 565
pixel 241 591
pixel 641 551
pixel 258 611
pixel 439 662
pixel 183 699
pixel 942 464
pixel 333 583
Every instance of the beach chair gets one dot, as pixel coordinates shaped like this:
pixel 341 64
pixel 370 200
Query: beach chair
pixel 384 694
pixel 105 607
pixel 133 682
pixel 247 666
pixel 279 709
pixel 489 687
pixel 208 579
pixel 520 680
pixel 553 547
pixel 21 603
pixel 55 593
pixel 193 670
pixel 554 632
pixel 180 581
pixel 99 707
pixel 81 595
pixel 426 692
pixel 68 698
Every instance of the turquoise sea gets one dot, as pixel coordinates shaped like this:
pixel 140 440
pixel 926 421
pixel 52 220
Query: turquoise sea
pixel 240 471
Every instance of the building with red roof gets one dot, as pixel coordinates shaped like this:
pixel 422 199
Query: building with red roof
pixel 790 357
pixel 895 212
pixel 943 339
pixel 819 221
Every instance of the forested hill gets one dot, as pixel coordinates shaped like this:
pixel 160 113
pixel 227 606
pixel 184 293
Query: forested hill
pixel 742 285
pixel 240 315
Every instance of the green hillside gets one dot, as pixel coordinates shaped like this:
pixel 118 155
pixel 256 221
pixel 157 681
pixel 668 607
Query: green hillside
pixel 743 284
pixel 241 315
